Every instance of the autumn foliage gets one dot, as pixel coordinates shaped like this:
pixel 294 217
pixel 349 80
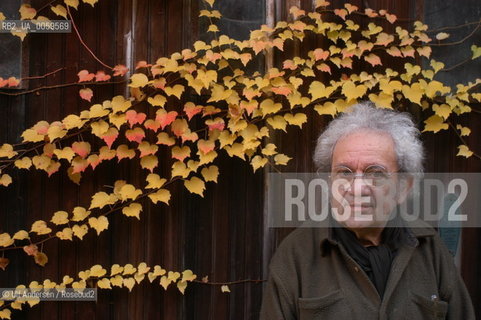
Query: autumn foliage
pixel 223 109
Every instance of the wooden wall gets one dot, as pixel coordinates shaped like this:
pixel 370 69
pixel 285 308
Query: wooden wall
pixel 222 236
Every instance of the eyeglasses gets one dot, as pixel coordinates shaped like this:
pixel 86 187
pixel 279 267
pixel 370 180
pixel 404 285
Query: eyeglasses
pixel 373 176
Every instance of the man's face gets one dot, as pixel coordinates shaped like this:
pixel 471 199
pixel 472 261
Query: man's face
pixel 364 179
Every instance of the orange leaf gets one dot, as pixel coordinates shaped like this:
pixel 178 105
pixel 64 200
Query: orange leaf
pixel 179 127
pixel 86 94
pixel 391 18
pixel 84 76
pixel 133 117
pixel 165 118
pixel 153 125
pixel 282 90
pixel 217 123
pixel 110 136
pixel 205 146
pixel 120 70
pixel 142 64
pixel 13 82
pixel 81 148
pixel 341 13
pixel 136 134
pixel 320 54
pixel 191 109
pixel 101 76
pixel 373 59
pixel 370 13
pixel 31 249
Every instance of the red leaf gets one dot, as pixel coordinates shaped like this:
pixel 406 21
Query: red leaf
pixel 3 82
pixel 282 90
pixel 136 134
pixel 84 75
pixel 86 94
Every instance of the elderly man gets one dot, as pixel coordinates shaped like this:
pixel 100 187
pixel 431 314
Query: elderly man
pixel 373 268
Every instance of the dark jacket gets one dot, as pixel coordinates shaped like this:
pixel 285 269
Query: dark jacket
pixel 312 277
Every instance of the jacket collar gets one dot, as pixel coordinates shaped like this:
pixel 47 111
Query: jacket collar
pixel 416 230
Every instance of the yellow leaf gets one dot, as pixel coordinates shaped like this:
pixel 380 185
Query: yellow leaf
pixel 155 182
pixel 277 122
pixel 413 92
pixel 442 110
pixel 5 240
pixel 149 162
pixel 158 100
pixel 195 185
pixel 213 28
pixel 6 151
pixel 5 180
pixel 142 268
pixel 100 200
pixel 60 217
pixel 133 210
pixel 464 151
pixel 120 104
pixel 65 234
pixel 27 12
pixel 117 281
pixel 476 51
pixel 128 191
pixel 383 100
pixel 99 128
pixel 91 2
pixel 177 90
pixel 180 153
pixel 23 163
pixel 104 284
pixel 97 271
pixel 269 150
pixel 129 283
pixel 40 227
pixel 435 123
pixel 268 106
pixel 99 224
pixel 352 92
pixel 164 282
pixel 181 285
pixel 224 288
pixel 116 269
pixel 180 169
pixel 72 3
pixel 162 195
pixel 5 314
pixel 138 80
pixel 295 119
pixel 31 135
pixel 2 16
pixel 21 235
pixel 210 2
pixel 210 174
pixel 80 231
pixel 79 214
pixel 328 108
pixel 281 159
pixel 464 131
pixel 59 10
pixel 436 65
pixel 258 162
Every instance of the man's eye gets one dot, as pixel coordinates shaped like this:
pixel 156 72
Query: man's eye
pixel 375 175
pixel 344 174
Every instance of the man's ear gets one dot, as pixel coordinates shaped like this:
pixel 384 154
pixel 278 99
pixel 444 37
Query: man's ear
pixel 405 188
